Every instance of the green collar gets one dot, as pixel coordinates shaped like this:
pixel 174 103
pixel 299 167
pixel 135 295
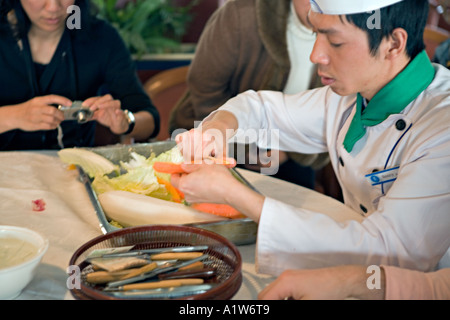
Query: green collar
pixel 391 99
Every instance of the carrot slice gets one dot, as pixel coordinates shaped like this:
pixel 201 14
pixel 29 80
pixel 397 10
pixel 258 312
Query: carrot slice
pixel 222 210
pixel 170 167
pixel 177 195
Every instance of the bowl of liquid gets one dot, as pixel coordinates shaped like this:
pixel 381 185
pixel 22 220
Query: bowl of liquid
pixel 21 251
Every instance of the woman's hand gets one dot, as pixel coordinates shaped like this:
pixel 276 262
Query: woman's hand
pixel 35 114
pixel 107 111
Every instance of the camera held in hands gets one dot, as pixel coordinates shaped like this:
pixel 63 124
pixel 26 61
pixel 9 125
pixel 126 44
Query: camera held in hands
pixel 76 112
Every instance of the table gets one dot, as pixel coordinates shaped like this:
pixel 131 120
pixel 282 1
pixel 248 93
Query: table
pixel 69 219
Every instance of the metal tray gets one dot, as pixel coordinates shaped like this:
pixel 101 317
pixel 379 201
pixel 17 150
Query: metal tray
pixel 238 231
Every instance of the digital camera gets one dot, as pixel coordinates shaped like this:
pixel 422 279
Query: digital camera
pixel 76 112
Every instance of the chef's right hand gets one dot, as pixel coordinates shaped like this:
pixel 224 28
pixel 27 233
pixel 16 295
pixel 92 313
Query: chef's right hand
pixel 209 139
pixel 38 113
pixel 200 143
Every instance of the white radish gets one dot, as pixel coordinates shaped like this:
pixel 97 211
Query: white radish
pixel 131 209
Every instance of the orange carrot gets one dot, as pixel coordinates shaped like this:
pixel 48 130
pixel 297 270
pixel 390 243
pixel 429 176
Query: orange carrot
pixel 170 167
pixel 71 167
pixel 179 192
pixel 222 210
pixel 167 167
pixel 177 196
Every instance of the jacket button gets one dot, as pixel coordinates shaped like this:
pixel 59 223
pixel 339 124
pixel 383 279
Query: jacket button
pixel 364 209
pixel 400 125
pixel 341 161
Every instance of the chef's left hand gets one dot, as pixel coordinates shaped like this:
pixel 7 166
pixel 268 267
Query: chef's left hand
pixel 205 183
pixel 107 112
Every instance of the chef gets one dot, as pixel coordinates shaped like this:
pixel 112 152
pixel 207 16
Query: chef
pixel 384 117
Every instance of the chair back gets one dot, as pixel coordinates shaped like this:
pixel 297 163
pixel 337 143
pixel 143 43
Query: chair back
pixel 165 89
pixel 433 36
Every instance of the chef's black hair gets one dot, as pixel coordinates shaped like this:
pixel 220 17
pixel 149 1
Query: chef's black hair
pixel 410 15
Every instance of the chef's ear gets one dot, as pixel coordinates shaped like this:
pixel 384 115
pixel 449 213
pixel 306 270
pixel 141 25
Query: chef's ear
pixel 397 43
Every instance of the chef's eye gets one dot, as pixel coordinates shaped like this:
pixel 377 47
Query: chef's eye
pixel 336 45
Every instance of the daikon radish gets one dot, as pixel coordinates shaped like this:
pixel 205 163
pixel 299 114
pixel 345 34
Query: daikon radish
pixel 131 209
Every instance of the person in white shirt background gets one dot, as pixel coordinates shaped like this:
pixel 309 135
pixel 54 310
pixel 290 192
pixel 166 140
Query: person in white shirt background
pixel 383 116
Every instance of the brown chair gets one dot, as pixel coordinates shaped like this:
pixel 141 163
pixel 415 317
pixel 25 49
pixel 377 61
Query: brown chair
pixel 433 36
pixel 165 88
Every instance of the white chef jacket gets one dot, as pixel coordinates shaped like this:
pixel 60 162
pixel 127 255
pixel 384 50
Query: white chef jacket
pixel 407 221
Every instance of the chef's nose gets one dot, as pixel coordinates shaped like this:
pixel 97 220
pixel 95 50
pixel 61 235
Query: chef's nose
pixel 318 53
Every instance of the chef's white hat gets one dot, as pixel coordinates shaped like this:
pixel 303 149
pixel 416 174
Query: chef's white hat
pixel 349 6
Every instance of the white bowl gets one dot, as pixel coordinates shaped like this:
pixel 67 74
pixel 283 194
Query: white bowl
pixel 18 260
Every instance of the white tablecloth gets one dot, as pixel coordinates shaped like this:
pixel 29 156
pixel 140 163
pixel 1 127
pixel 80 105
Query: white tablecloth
pixel 69 219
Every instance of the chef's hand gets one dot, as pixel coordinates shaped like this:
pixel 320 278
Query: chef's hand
pixel 264 159
pixel 107 111
pixel 205 183
pixel 209 139
pixel 34 114
pixel 333 283
pixel 214 183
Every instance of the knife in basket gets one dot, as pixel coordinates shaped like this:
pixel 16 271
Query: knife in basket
pixel 155 250
pixel 164 293
pixel 116 285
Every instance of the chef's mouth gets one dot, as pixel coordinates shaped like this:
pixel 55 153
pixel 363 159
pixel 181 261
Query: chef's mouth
pixel 326 81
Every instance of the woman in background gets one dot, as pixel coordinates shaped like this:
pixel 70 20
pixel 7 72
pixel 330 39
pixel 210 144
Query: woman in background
pixel 47 62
